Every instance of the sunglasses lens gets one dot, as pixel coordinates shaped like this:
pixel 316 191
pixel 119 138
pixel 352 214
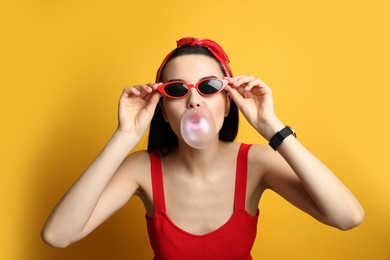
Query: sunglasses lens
pixel 176 89
pixel 210 86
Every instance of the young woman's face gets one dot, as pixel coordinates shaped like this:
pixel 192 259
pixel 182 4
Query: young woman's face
pixel 192 68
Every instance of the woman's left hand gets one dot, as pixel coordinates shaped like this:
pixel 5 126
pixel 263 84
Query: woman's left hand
pixel 254 99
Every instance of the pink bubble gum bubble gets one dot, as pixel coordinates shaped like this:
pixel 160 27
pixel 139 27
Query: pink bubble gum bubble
pixel 197 128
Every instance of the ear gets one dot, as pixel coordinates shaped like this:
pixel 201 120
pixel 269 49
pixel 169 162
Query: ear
pixel 227 105
pixel 161 104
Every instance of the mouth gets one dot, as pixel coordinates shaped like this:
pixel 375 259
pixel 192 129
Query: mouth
pixel 198 123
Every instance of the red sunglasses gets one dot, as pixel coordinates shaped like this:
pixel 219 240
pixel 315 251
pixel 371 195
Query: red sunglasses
pixel 180 89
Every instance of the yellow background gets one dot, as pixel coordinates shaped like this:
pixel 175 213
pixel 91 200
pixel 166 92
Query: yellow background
pixel 64 64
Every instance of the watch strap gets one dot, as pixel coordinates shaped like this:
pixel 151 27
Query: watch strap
pixel 278 138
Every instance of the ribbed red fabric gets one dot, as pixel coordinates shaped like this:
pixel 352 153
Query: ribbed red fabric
pixel 233 240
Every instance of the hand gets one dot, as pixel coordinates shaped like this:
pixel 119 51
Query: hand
pixel 254 99
pixel 136 108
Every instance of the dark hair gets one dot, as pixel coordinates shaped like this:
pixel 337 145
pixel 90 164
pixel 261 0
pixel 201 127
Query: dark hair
pixel 161 135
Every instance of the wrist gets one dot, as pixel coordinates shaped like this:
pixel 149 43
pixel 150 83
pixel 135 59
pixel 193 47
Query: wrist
pixel 123 133
pixel 271 128
pixel 280 136
pixel 126 138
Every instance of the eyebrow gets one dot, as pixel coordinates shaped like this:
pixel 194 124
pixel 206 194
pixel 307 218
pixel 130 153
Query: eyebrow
pixel 207 77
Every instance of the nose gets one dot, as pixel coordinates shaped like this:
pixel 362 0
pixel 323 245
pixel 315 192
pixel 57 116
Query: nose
pixel 194 99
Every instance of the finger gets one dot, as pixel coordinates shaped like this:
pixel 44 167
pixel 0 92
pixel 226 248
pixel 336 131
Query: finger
pixel 253 83
pixel 260 88
pixel 141 90
pixel 155 97
pixel 148 97
pixel 236 96
pixel 156 85
pixel 244 80
pixel 263 84
pixel 153 101
pixel 234 79
pixel 130 92
pixel 147 88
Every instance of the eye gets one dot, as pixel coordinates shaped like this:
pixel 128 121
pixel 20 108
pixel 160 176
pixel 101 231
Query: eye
pixel 176 89
pixel 210 86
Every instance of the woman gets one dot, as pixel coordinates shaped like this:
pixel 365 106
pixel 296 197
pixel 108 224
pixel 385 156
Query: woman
pixel 201 203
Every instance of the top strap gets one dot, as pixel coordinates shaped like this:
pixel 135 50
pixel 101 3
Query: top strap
pixel 241 177
pixel 157 181
pixel 240 186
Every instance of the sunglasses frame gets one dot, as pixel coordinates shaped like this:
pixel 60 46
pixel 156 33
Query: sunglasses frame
pixel 196 86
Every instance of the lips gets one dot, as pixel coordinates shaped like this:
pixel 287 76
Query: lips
pixel 197 128
pixel 198 123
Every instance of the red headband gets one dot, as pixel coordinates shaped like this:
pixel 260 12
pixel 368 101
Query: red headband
pixel 212 46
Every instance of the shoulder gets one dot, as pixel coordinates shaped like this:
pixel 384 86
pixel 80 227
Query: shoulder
pixel 134 157
pixel 137 165
pixel 262 160
pixel 273 168
pixel 133 178
pixel 137 160
pixel 261 155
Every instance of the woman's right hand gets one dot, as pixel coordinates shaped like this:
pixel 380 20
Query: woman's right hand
pixel 136 108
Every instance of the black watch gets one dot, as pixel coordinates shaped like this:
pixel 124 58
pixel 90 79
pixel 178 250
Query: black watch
pixel 278 138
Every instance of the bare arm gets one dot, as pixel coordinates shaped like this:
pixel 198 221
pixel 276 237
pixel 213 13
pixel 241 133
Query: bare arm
pixel 302 179
pixel 107 183
pixel 297 175
pixel 69 220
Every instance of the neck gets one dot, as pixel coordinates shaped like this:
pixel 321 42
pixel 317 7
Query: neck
pixel 199 161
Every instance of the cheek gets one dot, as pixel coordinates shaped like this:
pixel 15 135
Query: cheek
pixel 218 110
pixel 174 110
pixel 219 118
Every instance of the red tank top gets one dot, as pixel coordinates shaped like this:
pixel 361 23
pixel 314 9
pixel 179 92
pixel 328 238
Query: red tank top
pixel 233 240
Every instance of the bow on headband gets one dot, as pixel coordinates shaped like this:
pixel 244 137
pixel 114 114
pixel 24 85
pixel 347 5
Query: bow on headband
pixel 212 46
